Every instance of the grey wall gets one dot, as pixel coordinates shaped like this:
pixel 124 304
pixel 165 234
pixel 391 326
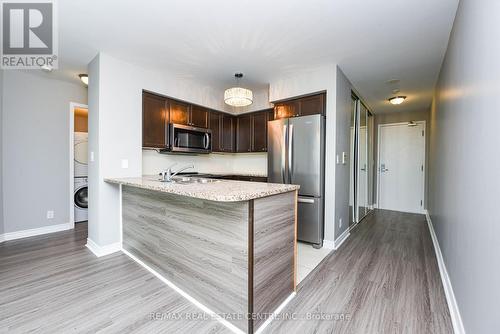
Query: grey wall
pixel 401 117
pixel 464 185
pixel 1 154
pixel 343 125
pixel 35 144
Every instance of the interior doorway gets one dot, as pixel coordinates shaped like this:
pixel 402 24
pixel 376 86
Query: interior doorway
pixel 401 166
pixel 78 163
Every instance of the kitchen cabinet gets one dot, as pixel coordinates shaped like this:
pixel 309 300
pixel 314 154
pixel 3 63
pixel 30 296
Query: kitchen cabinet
pixel 309 105
pixel 228 133
pixel 215 119
pixel 179 112
pixel 259 131
pixel 244 134
pixel 154 121
pixel 187 114
pixel 198 117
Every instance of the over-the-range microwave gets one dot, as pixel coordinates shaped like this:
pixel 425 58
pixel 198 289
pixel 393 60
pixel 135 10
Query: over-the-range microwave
pixel 190 139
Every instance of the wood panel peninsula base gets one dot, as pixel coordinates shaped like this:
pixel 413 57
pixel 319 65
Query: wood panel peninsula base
pixel 235 256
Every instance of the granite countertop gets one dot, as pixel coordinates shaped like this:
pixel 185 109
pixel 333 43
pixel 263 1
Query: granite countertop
pixel 218 190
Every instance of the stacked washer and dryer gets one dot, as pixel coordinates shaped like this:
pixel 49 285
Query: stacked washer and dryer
pixel 80 195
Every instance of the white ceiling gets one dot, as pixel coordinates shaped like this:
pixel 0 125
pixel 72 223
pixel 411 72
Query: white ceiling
pixel 371 40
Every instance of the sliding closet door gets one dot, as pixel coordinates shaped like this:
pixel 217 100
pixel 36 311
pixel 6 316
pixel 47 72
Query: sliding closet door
pixel 361 162
pixel 352 161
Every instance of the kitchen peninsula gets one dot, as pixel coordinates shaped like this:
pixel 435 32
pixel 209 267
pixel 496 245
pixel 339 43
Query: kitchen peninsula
pixel 231 245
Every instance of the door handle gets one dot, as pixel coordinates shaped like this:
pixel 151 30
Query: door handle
pixel 283 154
pixel 305 200
pixel 206 139
pixel 290 154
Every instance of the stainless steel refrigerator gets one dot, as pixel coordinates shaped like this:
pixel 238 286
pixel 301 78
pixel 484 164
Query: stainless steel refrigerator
pixel 296 156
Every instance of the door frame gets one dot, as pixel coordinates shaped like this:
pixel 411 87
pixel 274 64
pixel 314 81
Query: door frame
pixel 380 126
pixel 72 107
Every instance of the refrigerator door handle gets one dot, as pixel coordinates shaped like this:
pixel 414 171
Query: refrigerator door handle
pixel 290 154
pixel 283 154
pixel 305 200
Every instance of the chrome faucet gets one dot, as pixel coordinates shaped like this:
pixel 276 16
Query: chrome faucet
pixel 167 175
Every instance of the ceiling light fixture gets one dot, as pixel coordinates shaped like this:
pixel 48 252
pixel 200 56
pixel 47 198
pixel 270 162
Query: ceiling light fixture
pixel 84 78
pixel 238 96
pixel 397 99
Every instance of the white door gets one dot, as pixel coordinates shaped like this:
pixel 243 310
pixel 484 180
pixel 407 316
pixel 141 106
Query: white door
pixel 401 167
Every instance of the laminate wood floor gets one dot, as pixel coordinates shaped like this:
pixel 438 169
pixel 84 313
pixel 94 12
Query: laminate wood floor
pixel 384 279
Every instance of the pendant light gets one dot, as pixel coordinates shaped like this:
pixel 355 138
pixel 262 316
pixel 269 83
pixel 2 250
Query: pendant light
pixel 238 96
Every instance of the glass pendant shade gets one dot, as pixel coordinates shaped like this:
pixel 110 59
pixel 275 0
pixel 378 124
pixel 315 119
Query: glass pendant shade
pixel 238 97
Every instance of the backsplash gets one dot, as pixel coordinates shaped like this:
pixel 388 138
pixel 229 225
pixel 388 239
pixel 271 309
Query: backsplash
pixel 241 163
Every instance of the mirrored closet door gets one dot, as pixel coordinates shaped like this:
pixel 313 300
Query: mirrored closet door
pixel 361 161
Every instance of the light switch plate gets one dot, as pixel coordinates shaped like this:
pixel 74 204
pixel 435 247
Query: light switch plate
pixel 91 156
pixel 125 163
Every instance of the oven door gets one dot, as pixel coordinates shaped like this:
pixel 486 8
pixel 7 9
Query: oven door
pixel 189 139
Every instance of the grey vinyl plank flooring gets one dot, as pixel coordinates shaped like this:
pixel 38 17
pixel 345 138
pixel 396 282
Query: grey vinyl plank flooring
pixel 384 279
pixel 54 284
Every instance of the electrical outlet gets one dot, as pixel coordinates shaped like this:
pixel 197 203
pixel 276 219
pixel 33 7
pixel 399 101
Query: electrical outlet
pixel 344 158
pixel 50 214
pixel 125 163
pixel 340 222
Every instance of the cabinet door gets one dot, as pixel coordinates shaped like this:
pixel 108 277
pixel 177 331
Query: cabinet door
pixel 312 105
pixel 154 121
pixel 228 133
pixel 259 129
pixel 179 112
pixel 244 133
pixel 286 109
pixel 199 117
pixel 215 126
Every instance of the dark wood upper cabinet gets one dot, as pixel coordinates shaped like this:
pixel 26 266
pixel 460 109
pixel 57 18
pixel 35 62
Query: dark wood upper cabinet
pixel 286 109
pixel 198 117
pixel 215 124
pixel 259 131
pixel 309 105
pixel 179 112
pixel 228 133
pixel 312 105
pixel 244 133
pixel 154 121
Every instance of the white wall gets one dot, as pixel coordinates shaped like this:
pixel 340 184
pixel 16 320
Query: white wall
pixel 464 184
pixel 240 163
pixel 35 147
pixel 310 81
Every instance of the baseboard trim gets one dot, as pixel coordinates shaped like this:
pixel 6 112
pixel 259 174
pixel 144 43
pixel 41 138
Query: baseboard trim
pixel 35 231
pixel 328 244
pixel 103 250
pixel 341 239
pixel 456 319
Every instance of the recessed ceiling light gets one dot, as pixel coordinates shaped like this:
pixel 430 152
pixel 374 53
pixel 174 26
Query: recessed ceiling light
pixel 84 78
pixel 397 99
pixel 46 68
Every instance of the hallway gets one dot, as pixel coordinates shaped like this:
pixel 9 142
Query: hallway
pixel 384 279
